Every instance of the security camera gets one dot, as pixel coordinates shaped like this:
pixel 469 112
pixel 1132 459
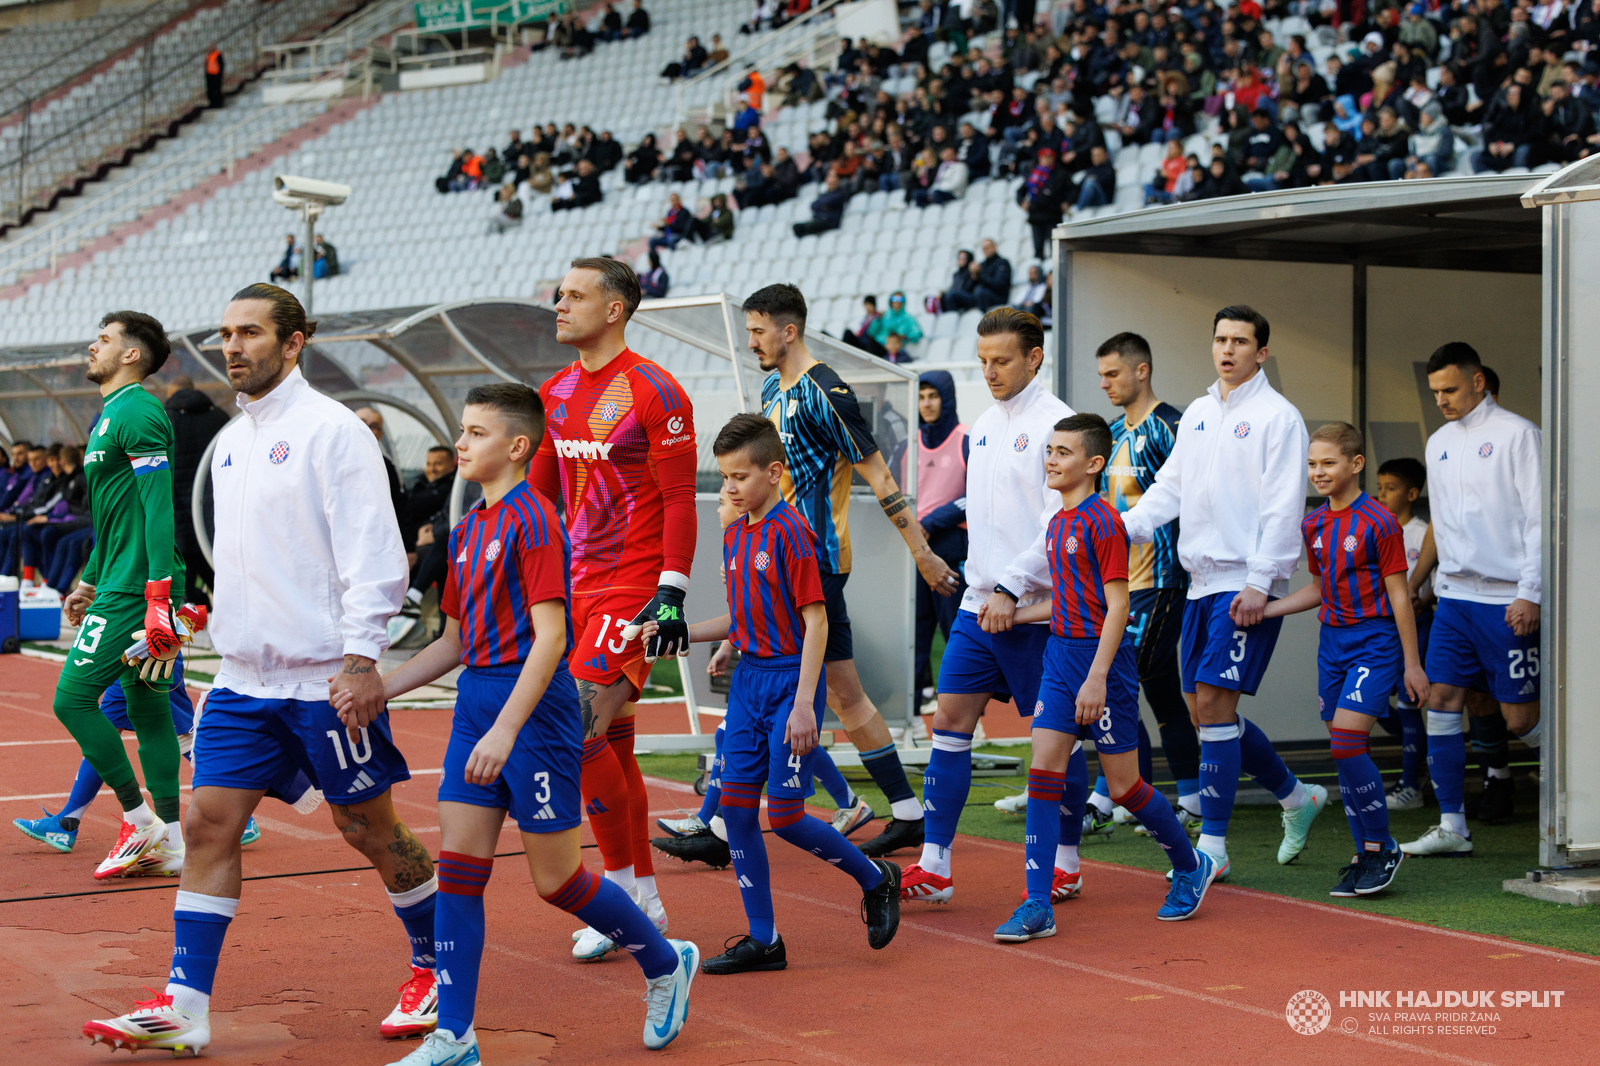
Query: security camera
pixel 291 191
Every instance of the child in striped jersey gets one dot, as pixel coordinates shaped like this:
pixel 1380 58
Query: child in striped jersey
pixel 1368 646
pixel 1091 682
pixel 516 733
pixel 777 618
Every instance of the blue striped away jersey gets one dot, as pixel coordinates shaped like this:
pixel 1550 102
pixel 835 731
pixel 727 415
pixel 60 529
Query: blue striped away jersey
pixel 825 435
pixel 1087 546
pixel 1351 552
pixel 504 559
pixel 1136 455
pixel 770 570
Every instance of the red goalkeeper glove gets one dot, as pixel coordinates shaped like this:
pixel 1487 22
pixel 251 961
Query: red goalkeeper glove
pixel 160 630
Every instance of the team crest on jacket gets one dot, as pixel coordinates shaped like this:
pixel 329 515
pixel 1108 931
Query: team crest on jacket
pixel 763 560
pixel 1242 430
pixel 1021 443
pixel 1486 449
pixel 492 552
pixel 280 452
pixel 1072 545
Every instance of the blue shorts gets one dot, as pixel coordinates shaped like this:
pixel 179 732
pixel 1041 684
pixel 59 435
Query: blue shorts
pixel 760 701
pixel 114 705
pixel 539 783
pixel 1358 666
pixel 1006 665
pixel 1214 651
pixel 246 742
pixel 1066 664
pixel 1472 647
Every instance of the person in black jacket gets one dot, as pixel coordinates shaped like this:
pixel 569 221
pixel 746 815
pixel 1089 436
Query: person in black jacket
pixel 1509 133
pixel 604 152
pixel 827 210
pixel 195 421
pixel 992 287
pixel 638 21
pixel 963 283
pixel 428 495
pixel 973 148
pixel 642 161
pixel 1042 195
pixel 585 189
pixel 397 494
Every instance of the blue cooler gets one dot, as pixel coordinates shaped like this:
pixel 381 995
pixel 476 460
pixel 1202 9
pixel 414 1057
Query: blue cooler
pixel 8 609
pixel 41 614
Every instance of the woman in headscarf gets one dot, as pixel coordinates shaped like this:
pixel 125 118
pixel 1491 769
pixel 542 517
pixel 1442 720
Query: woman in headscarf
pixel 941 496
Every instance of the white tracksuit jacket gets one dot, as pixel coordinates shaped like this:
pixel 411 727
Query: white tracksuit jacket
pixel 1484 498
pixel 1236 480
pixel 1008 506
pixel 309 561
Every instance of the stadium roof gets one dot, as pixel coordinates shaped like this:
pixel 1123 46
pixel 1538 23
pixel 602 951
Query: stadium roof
pixel 1467 223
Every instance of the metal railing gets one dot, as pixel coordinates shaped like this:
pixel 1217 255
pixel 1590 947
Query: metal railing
pixel 30 88
pixel 68 139
pixel 352 50
pixel 811 36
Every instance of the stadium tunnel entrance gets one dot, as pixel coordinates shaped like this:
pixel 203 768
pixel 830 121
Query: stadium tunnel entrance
pixel 1361 283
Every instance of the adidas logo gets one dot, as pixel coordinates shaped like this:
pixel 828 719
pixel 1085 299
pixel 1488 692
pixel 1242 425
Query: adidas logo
pixel 177 972
pixel 444 977
pixel 1032 865
pixel 1107 739
pixel 1210 791
pixel 983 440
pixel 362 783
pixel 745 882
pixel 1231 674
pixel 1354 697
pixel 228 461
pixel 596 663
pixel 1317 544
pixel 595 807
pixel 1526 689
pixel 1201 428
pixel 546 813
pixel 793 782
pixel 927 805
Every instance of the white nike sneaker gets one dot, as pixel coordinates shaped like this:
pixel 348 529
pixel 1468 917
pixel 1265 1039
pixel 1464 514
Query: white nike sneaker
pixel 592 946
pixel 159 861
pixel 1440 840
pixel 1017 804
pixel 667 997
pixel 681 827
pixel 131 845
pixel 153 1023
pixel 441 1048
pixel 1122 816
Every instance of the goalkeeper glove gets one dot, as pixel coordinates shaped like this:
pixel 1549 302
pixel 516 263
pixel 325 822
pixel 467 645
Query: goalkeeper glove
pixel 672 633
pixel 190 620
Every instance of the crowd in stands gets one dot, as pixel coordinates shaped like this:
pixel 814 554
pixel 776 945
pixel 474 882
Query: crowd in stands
pixel 324 265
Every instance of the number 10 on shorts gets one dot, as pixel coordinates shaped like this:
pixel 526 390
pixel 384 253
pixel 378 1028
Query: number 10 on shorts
pixel 358 755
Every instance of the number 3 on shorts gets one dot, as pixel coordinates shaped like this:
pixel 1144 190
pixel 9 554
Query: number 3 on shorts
pixel 1237 654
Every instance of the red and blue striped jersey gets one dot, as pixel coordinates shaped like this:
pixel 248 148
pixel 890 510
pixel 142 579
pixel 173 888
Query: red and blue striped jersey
pixel 1087 546
pixel 770 570
pixel 1352 551
pixel 504 559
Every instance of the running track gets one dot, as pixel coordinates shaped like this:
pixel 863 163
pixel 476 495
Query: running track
pixel 312 962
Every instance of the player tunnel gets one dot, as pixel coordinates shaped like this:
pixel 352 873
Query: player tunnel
pixel 1361 283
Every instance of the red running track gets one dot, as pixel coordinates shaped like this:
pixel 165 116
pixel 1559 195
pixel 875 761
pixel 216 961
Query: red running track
pixel 311 964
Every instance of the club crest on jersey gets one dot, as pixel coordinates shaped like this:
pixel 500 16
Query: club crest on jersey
pixel 1350 543
pixel 763 560
pixel 105 424
pixel 1138 445
pixel 1072 545
pixel 492 552
pixel 1021 443
pixel 1486 449
pixel 794 405
pixel 583 449
pixel 1038 708
pixel 1242 430
pixel 279 452
pixel 609 411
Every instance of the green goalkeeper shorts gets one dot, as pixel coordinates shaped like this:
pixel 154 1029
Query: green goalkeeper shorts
pixel 95 660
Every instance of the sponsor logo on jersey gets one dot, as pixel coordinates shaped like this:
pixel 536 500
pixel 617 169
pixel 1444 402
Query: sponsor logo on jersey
pixel 1242 430
pixel 362 781
pixel 1486 449
pixel 279 452
pixel 983 440
pixel 560 413
pixel 1072 545
pixel 93 457
pixel 763 560
pixel 1443 456
pixel 583 449
pixel 674 424
pixel 670 441
pixel 492 552
pixel 1201 428
pixel 462 557
pixel 1350 543
pixel 1317 544
pixel 1125 471
pixel 229 460
pixel 1021 443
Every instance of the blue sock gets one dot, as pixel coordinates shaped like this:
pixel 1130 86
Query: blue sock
pixel 945 785
pixel 1447 761
pixel 713 800
pixel 1219 777
pixel 1043 831
pixel 1372 807
pixel 1258 759
pixel 1189 794
pixel 887 773
pixel 1147 765
pixel 791 822
pixel 200 923
pixel 825 771
pixel 84 789
pixel 1074 798
pixel 600 904
pixel 1359 783
pixel 415 911
pixel 750 859
pixel 458 931
pixel 1413 747
pixel 1156 815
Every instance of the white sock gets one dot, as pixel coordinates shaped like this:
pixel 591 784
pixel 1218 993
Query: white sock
pixel 647 887
pixel 935 860
pixel 1067 857
pixel 140 816
pixel 1213 844
pixel 413 596
pixel 1531 737
pixel 907 810
pixel 1101 803
pixel 189 1000
pixel 623 879
pixel 1500 773
pixel 1296 799
pixel 1456 822
pixel 718 827
pixel 174 835
pixel 1191 803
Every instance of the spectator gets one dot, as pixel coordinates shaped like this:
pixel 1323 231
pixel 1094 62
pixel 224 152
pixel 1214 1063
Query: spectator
pixel 1570 125
pixel 493 168
pixel 541 179
pixel 654 282
pixel 752 87
pixel 286 270
pixel 1338 154
pixel 1035 295
pixel 718 53
pixel 766 11
pixel 773 183
pixel 508 210
pixel 16 479
pixel 897 320
pixel 638 21
pixel 994 282
pixel 685 157
pixel 1435 142
pixel 1509 133
pixel 611 24
pixel 1163 187
pixel 861 337
pixel 604 152
pixel 397 495
pixel 65 510
pixel 216 68
pixel 963 281
pixel 673 226
pixel 585 189
pixel 827 210
pixel 327 263
pixel 1099 183
pixel 1043 195
pixel 1220 180
pixel 949 182
pixel 642 161
pixel 973 148
pixel 721 221
pixel 1264 140
pixel 894 349
pixel 195 421
pixel 711 156
pixel 689 64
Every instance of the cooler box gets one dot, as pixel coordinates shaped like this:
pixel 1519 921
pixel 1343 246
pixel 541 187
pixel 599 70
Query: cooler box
pixel 8 608
pixel 41 614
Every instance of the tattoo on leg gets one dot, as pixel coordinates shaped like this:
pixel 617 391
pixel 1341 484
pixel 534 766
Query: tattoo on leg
pixel 413 866
pixel 351 823
pixel 586 690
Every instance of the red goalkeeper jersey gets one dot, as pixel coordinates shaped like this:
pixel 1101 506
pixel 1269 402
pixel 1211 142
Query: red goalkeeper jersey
pixel 621 444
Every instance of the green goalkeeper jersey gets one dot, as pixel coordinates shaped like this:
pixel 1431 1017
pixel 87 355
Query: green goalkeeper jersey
pixel 128 464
